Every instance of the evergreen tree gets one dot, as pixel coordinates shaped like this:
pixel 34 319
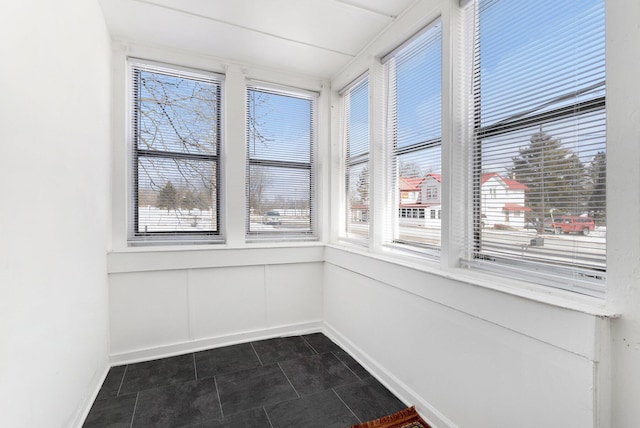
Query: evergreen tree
pixel 189 201
pixel 363 185
pixel 554 175
pixel 204 200
pixel 598 175
pixel 168 197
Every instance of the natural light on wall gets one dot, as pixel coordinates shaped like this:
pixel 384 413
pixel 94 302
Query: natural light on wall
pixel 539 149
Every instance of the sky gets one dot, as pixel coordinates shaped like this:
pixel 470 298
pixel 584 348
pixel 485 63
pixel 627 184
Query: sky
pixel 552 48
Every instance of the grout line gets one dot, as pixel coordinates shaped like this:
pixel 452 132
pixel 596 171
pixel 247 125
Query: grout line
pixel 268 418
pixel 122 380
pixel 346 405
pixel 218 392
pixel 345 364
pixel 256 352
pixel 135 407
pixel 288 380
pixel 310 345
pixel 195 368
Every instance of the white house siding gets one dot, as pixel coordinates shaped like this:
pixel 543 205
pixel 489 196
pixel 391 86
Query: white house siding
pixel 496 199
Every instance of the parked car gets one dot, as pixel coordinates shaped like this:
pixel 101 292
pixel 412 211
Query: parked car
pixel 573 224
pixel 272 217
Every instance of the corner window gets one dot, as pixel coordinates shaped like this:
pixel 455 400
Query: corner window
pixel 540 141
pixel 355 113
pixel 413 138
pixel 280 167
pixel 175 144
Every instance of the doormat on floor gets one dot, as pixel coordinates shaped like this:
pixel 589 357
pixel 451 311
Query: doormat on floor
pixel 407 418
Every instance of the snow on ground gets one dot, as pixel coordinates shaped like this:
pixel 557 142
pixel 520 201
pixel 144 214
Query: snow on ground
pixel 153 219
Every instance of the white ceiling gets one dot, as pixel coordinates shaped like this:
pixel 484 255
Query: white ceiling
pixel 313 37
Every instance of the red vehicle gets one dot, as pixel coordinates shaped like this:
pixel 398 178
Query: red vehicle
pixel 573 224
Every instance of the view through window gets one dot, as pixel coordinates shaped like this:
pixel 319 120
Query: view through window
pixel 175 148
pixel 414 131
pixel 355 101
pixel 540 152
pixel 280 173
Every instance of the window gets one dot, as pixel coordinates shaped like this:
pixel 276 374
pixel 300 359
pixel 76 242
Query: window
pixel 417 213
pixel 355 105
pixel 413 136
pixel 175 131
pixel 432 193
pixel 540 141
pixel 280 169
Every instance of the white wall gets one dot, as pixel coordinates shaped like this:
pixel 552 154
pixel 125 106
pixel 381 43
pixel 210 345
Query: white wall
pixel 465 355
pixel 164 304
pixel 54 167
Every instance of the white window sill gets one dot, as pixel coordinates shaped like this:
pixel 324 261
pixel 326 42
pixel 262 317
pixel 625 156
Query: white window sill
pixel 150 258
pixel 530 291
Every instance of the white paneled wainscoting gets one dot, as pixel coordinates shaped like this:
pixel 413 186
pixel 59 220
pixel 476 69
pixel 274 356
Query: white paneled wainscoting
pixel 464 355
pixel 160 308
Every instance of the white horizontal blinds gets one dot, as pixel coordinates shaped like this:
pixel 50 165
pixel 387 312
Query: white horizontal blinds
pixel 356 135
pixel 280 173
pixel 540 151
pixel 414 117
pixel 176 122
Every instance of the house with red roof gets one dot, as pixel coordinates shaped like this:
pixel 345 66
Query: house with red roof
pixel 502 201
pixel 420 200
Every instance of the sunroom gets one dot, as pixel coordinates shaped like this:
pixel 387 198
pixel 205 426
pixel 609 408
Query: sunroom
pixel 195 174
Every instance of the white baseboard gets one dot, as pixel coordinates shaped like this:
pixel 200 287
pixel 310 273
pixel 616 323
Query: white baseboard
pixel 84 408
pixel 395 385
pixel 212 342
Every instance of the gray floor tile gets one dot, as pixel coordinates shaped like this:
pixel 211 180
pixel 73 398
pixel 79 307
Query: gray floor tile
pixel 322 410
pixel 321 343
pixel 323 387
pixel 112 382
pixel 114 412
pixel 317 373
pixel 282 349
pixel 254 418
pixel 251 388
pixel 369 399
pixel 224 360
pixel 152 374
pixel 178 405
pixel 353 365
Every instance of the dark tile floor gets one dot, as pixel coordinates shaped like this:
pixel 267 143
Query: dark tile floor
pixel 299 382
